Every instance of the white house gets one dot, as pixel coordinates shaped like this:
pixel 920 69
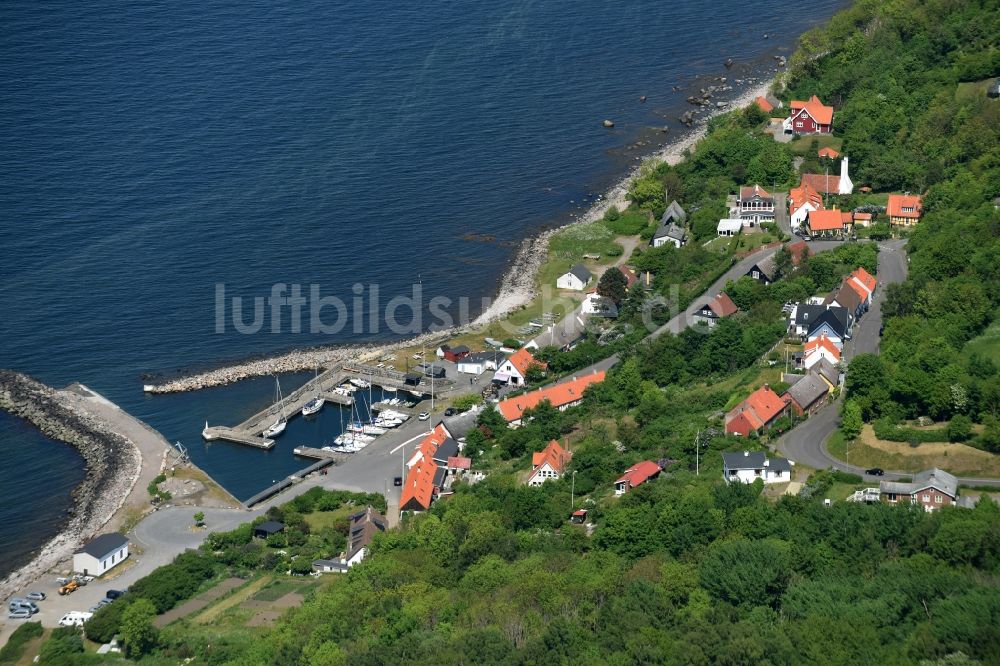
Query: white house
pixel 549 463
pixel 731 226
pixel 754 205
pixel 595 304
pixel 363 527
pixel 672 234
pixel 101 554
pixel 576 278
pixel 479 362
pixel 514 370
pixel 748 466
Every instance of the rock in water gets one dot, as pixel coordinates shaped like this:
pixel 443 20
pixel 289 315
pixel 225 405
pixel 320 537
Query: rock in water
pixel 609 123
pixel 729 63
pixel 642 99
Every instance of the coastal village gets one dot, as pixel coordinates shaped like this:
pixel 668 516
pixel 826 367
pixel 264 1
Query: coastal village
pixel 747 328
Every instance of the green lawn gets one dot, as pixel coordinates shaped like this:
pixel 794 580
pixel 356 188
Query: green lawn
pixel 804 145
pixel 987 344
pixel 318 520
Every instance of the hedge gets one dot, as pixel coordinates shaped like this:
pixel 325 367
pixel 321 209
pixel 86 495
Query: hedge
pixel 889 431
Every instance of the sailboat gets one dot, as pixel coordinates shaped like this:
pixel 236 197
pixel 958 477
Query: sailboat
pixel 315 404
pixel 278 426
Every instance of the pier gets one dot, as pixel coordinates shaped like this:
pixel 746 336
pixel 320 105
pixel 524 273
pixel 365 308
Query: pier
pixel 249 432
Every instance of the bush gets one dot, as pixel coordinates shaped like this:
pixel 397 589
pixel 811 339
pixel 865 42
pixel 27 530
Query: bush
pixel 512 343
pixel 887 430
pixel 14 648
pixel 464 403
pixel 960 428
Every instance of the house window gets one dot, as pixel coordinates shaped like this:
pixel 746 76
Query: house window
pixel 891 497
pixel 798 123
pixel 756 472
pixel 756 275
pixel 937 499
pixel 927 498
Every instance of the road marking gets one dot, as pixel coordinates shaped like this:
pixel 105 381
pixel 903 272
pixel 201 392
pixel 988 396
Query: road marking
pixel 412 439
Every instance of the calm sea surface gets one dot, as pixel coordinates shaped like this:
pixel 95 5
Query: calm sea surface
pixel 151 152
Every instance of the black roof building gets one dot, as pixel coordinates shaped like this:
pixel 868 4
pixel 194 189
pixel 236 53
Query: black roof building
pixel 267 528
pixel 104 544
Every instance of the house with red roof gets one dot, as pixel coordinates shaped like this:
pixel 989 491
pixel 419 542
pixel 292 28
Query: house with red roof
pixel 718 308
pixel 810 117
pixel 828 153
pixel 801 201
pixel 798 251
pixel 825 223
pixel 830 183
pixel 636 475
pixel 562 396
pixel 904 210
pixel 763 104
pixel 863 219
pixel 514 371
pixel 758 412
pixel 630 276
pixel 549 463
pixel 427 469
pixel 820 348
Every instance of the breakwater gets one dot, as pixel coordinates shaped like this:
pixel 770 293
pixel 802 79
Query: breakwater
pixel 112 462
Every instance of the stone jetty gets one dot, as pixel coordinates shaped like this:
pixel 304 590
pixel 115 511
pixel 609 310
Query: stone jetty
pixel 112 461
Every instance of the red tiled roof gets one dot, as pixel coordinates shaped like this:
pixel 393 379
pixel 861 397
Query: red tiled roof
pixel 821 182
pixel 638 474
pixel 459 462
pixel 863 216
pixel 857 288
pixel 803 194
pixel 847 217
pixel 522 360
pixel 829 153
pixel 629 274
pixel 822 342
pixel 764 105
pixel 818 111
pixel 553 454
pixel 756 190
pixel 760 407
pixel 865 277
pixel 418 489
pixel 798 251
pixel 824 220
pixel 722 305
pixel 897 202
pixel 558 394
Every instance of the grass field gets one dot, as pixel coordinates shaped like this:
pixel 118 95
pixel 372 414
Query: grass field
pixel 805 145
pixel 987 344
pixel 322 519
pixel 239 596
pixel 959 459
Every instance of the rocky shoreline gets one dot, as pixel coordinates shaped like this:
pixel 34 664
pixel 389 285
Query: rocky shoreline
pixel 517 287
pixel 113 463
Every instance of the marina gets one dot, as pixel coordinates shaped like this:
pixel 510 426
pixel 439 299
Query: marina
pixel 337 385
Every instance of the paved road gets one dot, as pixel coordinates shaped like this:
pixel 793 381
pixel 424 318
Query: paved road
pixel 806 443
pixel 684 319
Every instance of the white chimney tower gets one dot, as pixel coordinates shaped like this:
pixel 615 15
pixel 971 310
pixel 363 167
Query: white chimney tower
pixel 845 186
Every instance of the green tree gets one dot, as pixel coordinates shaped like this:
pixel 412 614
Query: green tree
pixel 138 632
pixel 960 428
pixel 199 518
pixel 613 285
pixel 850 420
pixel 746 573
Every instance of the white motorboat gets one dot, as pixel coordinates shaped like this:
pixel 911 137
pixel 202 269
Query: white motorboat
pixel 350 388
pixel 372 429
pixel 360 383
pixel 206 434
pixel 312 406
pixel 278 426
pixel 389 389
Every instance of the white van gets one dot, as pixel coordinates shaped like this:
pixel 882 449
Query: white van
pixel 74 619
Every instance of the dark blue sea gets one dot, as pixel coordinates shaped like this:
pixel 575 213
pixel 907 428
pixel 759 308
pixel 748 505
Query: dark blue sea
pixel 152 151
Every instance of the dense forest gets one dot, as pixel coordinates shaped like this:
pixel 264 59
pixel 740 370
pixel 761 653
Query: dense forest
pixel 687 569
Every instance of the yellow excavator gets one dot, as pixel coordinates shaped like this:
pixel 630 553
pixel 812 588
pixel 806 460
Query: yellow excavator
pixel 68 587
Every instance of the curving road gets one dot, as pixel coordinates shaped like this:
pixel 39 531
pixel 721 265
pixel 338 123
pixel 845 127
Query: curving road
pixel 806 443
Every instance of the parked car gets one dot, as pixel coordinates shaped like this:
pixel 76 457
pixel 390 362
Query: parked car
pixel 19 603
pixel 104 602
pixel 114 594
pixel 397 481
pixel 35 596
pixel 62 580
pixel 875 471
pixel 451 411
pixel 19 614
pixel 423 416
pixel 94 608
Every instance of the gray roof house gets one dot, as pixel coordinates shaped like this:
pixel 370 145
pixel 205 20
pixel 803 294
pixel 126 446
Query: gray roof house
pixel 808 393
pixel 764 271
pixel 826 370
pixel 673 213
pixel 671 233
pixel 932 489
pixel 104 544
pixel 748 466
pixel 575 278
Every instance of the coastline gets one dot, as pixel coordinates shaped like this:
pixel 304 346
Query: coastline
pixel 113 464
pixel 517 286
